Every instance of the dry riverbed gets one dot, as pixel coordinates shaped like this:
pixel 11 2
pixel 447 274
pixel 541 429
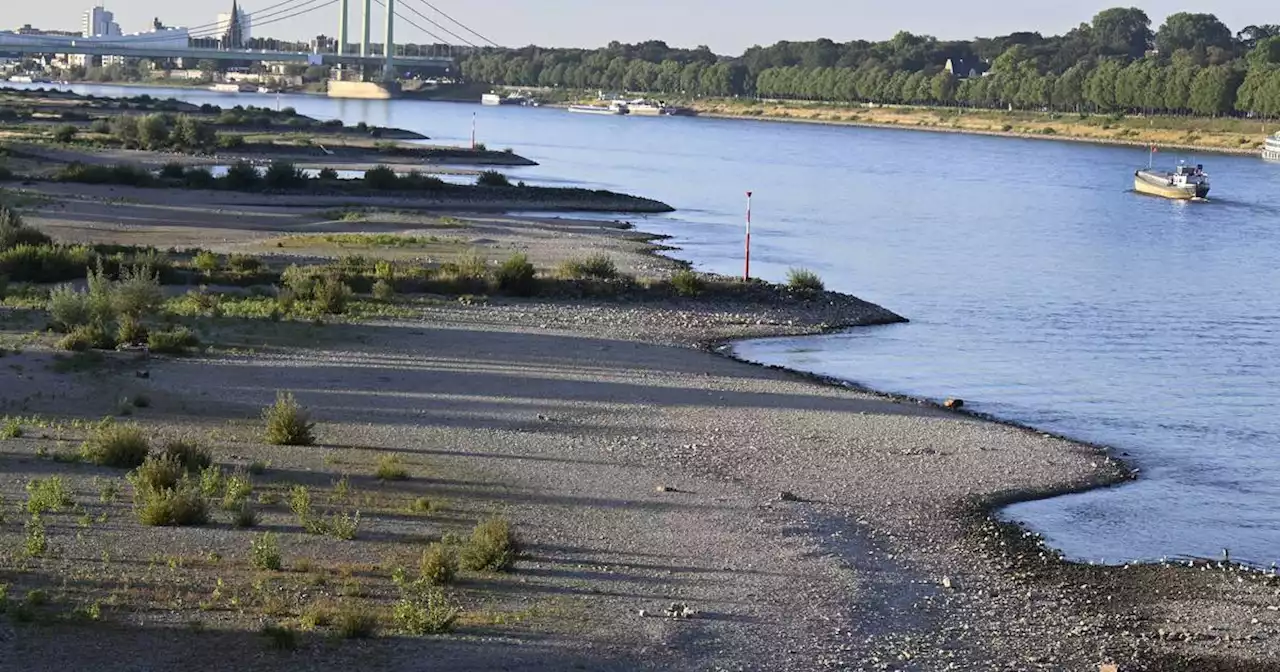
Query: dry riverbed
pixel 676 508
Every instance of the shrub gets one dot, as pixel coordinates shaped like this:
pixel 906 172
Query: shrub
pixel 264 552
pixel 44 263
pixel 390 468
pixel 597 266
pixel 332 295
pixel 68 308
pixel 206 262
pixel 280 637
pixel 283 175
pixel 238 488
pixel 493 546
pixel 688 283
pixel 327 174
pixel 87 337
pixel 424 610
pixel 65 133
pixel 130 331
pixel 14 232
pixel 11 429
pixel 176 341
pixel 416 181
pixel 198 177
pixel 301 281
pixel 211 480
pixel 517 277
pixel 492 178
pixel 137 292
pixel 288 424
pixel 243 263
pixel 181 505
pixel 241 175
pixel 439 565
pixel 36 542
pixel 245 516
pixel 158 473
pixel 381 178
pixel 300 502
pixel 193 457
pixel 100 126
pixel 113 445
pixel 805 281
pixel 355 622
pixel 48 494
pixel 173 171
pixel 384 291
pixel 230 141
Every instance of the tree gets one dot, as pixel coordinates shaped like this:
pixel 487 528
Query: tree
pixel 1266 52
pixel 153 132
pixel 1185 30
pixel 944 87
pixel 1122 32
pixel 1251 35
pixel 1068 91
pixel 1214 90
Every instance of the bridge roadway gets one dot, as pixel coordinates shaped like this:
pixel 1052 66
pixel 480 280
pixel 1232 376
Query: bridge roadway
pixel 27 46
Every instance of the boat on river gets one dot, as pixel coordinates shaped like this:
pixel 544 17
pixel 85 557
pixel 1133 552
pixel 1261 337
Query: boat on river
pixel 1271 150
pixel 1184 183
pixel 612 108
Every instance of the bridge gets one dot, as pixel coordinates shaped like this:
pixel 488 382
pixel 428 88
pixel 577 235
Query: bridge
pixel 177 44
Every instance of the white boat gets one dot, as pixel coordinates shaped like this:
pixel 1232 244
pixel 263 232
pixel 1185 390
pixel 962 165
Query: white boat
pixel 1271 150
pixel 615 107
pixel 509 99
pixel 234 88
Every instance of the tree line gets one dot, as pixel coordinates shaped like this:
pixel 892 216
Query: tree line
pixel 1193 64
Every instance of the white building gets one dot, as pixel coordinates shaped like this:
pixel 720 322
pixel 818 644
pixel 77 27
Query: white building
pixel 224 24
pixel 98 22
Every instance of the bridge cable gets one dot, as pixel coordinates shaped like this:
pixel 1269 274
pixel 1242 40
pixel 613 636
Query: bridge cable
pixel 437 25
pixel 459 23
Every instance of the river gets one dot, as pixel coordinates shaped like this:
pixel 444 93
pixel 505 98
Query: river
pixel 1040 288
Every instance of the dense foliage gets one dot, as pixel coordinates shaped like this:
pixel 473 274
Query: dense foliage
pixel 1192 64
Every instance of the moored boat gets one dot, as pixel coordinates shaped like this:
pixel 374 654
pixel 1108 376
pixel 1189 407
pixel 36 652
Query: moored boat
pixel 1271 150
pixel 1184 183
pixel 612 108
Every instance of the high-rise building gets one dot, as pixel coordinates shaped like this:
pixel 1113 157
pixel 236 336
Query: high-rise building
pixel 234 27
pixel 98 22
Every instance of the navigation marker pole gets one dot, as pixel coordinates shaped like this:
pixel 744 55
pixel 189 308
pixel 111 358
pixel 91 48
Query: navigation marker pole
pixel 746 271
pixel 473 131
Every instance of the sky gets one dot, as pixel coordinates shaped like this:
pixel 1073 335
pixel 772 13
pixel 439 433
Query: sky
pixel 727 26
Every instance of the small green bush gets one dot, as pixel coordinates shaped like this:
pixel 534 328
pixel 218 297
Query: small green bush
pixel 384 291
pixel 137 292
pixel 241 176
pixel 173 171
pixel 439 565
pixel 65 133
pixel 243 263
pixel 115 445
pixel 179 506
pixel 381 178
pixel 161 472
pixel 264 552
pixel 11 429
pixel 390 468
pixel 193 457
pixel 283 175
pixel 237 489
pixel 35 541
pixel 328 174
pixel 595 266
pixel 332 295
pixel 288 424
pixel 280 637
pixel 206 262
pixel 804 280
pixel 198 177
pixel 492 178
pixel 87 337
pixel 44 263
pixel 230 141
pixel 301 281
pixel 355 621
pixel 14 232
pixel 517 277
pixel 177 341
pixel 130 331
pixel 245 517
pixel 493 547
pixel 424 610
pixel 688 283
pixel 48 495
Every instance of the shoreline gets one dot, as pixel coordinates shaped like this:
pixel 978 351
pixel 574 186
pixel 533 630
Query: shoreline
pixel 1108 142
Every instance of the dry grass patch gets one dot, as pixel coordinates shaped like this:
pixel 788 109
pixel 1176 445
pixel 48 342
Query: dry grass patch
pixel 391 468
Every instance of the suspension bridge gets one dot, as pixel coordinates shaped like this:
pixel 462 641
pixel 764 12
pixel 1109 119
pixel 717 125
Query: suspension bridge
pixel 363 55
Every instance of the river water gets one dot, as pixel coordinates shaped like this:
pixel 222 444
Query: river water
pixel 1040 288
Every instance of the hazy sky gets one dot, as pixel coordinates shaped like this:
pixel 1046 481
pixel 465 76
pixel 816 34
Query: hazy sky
pixel 727 26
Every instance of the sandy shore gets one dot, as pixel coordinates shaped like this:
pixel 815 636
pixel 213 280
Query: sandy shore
pixel 811 526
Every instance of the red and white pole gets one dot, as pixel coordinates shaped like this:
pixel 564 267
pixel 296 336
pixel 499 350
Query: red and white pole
pixel 746 271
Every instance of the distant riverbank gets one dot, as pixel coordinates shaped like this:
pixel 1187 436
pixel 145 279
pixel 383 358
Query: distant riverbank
pixel 1229 136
